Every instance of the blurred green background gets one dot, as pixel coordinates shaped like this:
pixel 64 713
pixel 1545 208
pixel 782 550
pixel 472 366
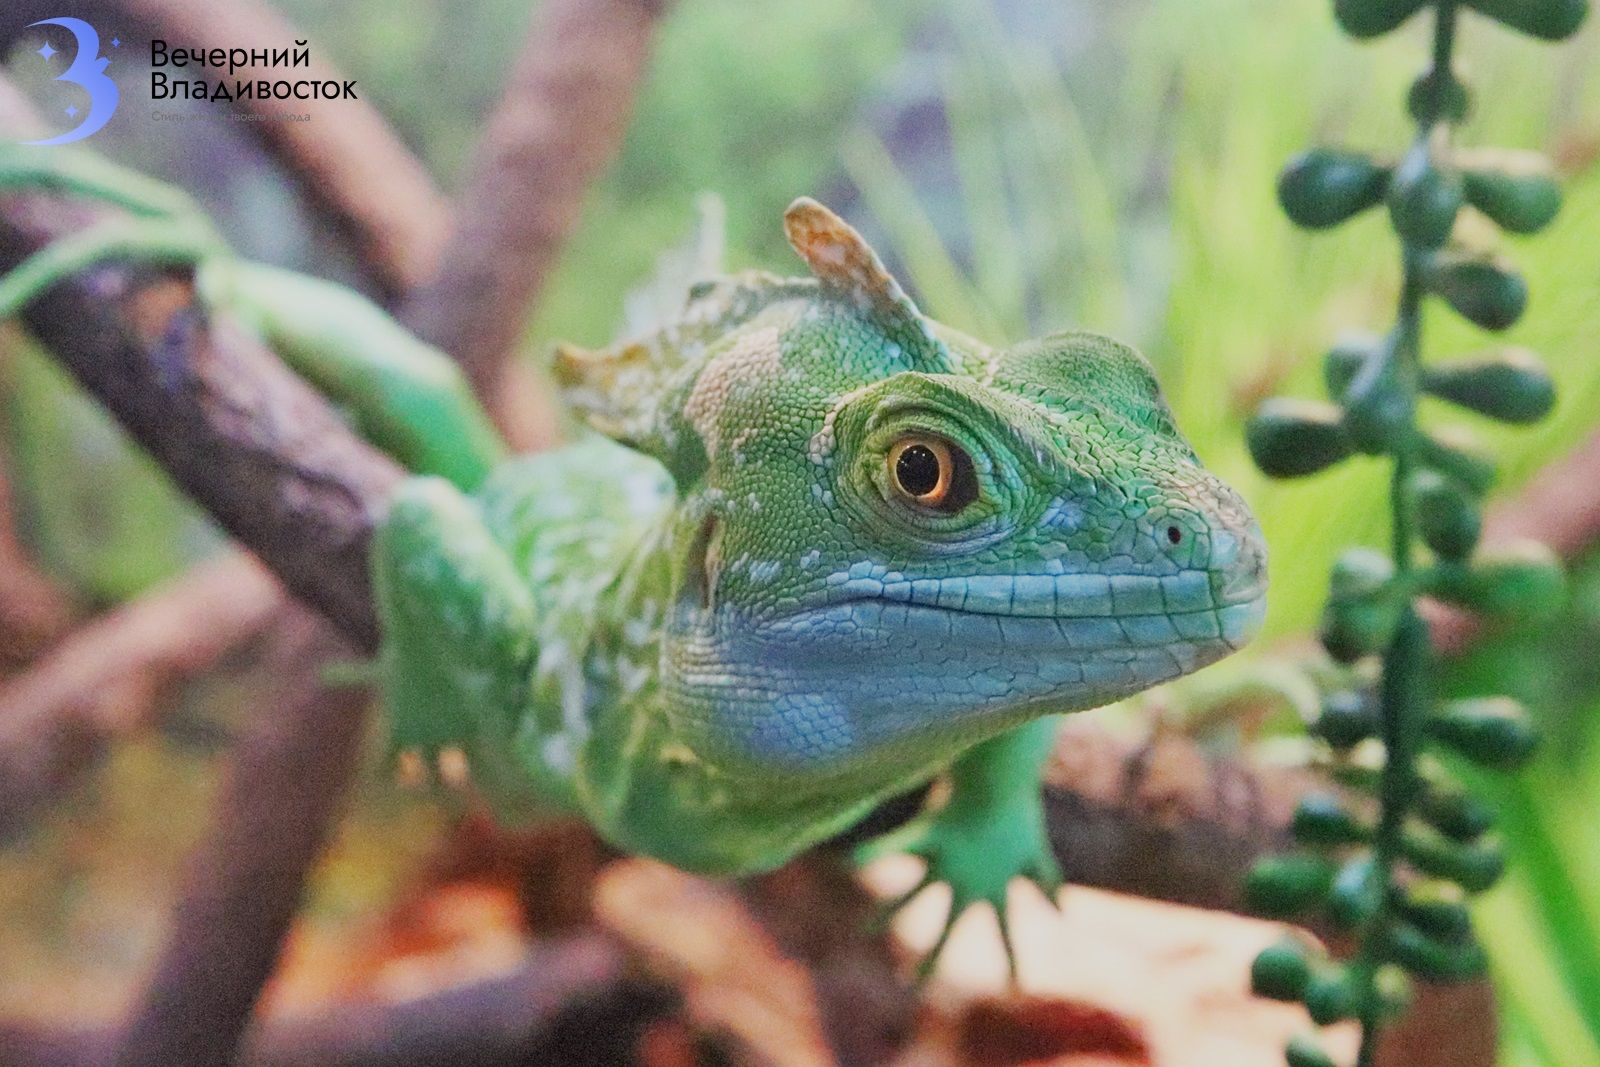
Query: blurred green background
pixel 1027 166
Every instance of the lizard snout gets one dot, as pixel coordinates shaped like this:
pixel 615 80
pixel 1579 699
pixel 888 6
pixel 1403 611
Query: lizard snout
pixel 1239 578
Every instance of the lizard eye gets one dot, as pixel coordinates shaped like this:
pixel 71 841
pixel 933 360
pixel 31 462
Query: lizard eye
pixel 932 473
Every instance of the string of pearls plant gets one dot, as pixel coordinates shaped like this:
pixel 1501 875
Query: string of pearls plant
pixel 1389 856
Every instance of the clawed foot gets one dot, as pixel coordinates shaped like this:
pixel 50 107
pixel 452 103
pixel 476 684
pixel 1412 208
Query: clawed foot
pixel 977 851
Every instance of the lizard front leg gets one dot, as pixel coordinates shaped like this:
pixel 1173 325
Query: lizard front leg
pixel 458 633
pixel 990 831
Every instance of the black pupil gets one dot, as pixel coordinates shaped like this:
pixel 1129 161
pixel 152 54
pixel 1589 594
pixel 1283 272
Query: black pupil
pixel 917 469
pixel 1174 534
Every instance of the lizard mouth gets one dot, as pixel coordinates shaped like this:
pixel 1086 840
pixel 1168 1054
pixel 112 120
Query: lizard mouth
pixel 1084 611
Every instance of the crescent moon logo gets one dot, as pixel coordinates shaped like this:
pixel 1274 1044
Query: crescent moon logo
pixel 88 70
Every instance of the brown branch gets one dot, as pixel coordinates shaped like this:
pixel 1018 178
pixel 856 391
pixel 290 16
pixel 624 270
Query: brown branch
pixel 34 610
pixel 574 1001
pixel 110 678
pixel 286 778
pixel 559 123
pixel 348 159
pixel 241 434
pixel 1161 818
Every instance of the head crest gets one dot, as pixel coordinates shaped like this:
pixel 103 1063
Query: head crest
pixel 848 268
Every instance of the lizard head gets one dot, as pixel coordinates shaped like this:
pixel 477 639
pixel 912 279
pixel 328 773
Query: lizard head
pixel 901 541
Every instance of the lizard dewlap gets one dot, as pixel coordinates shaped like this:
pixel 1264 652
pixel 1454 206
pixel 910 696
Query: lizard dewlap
pixel 831 549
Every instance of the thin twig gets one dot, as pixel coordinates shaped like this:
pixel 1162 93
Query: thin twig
pixel 560 121
pixel 285 780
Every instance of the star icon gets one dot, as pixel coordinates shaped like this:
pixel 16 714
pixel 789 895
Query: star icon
pixel 116 42
pixel 72 111
pixel 47 51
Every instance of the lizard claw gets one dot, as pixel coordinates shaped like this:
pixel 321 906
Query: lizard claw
pixel 977 851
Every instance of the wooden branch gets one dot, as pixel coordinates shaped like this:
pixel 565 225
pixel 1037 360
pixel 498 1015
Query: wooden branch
pixel 559 123
pixel 348 160
pixel 573 1001
pixel 1161 818
pixel 285 781
pixel 241 434
pixel 110 678
pixel 34 610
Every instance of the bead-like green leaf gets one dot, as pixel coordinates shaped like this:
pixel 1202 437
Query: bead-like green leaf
pixel 1483 290
pixel 1424 199
pixel 1280 971
pixel 1447 517
pixel 1490 731
pixel 1345 360
pixel 1321 819
pixel 1332 995
pixel 1552 20
pixel 1326 186
pixel 1443 920
pixel 1521 580
pixel 1303 1051
pixel 1431 959
pixel 1369 18
pixel 1438 96
pixel 1455 813
pixel 1348 718
pixel 1292 438
pixel 1473 867
pixel 1356 893
pixel 1454 451
pixel 1511 385
pixel 1284 887
pixel 1517 190
pixel 1362 610
pixel 1377 409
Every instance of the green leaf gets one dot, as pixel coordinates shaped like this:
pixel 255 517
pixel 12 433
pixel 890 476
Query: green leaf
pixel 1326 186
pixel 1511 385
pixel 1521 579
pixel 1552 20
pixel 1321 819
pixel 1345 360
pixel 1454 451
pixel 1489 731
pixel 1434 960
pixel 1348 718
pixel 1424 199
pixel 1369 18
pixel 1438 96
pixel 1449 520
pixel 1303 1051
pixel 1280 971
pixel 1484 290
pixel 1517 190
pixel 1291 438
pixel 1283 887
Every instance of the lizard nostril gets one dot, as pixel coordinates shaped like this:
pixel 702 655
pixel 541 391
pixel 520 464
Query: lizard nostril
pixel 1174 535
